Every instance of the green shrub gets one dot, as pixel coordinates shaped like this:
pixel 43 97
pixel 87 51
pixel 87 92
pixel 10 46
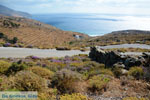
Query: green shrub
pixel 65 80
pixel 4 66
pixel 20 44
pixel 93 64
pixel 117 71
pixel 134 98
pixel 83 55
pixel 46 96
pixel 1 35
pixel 101 72
pixel 98 83
pixel 50 94
pixel 74 96
pixel 28 81
pixel 87 66
pixel 106 72
pixel 136 72
pixel 76 64
pixel 15 67
pixel 55 66
pixel 14 40
pixel 43 72
pixel 2 43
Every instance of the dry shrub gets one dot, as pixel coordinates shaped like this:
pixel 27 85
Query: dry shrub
pixel 101 72
pixel 7 83
pixel 42 72
pixel 136 72
pixel 16 67
pixel 28 81
pixel 65 80
pixel 117 72
pixel 98 83
pixel 53 66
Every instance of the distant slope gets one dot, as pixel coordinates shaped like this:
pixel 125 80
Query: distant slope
pixel 10 12
pixel 117 37
pixel 35 33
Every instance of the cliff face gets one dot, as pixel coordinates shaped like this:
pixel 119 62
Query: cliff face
pixel 10 12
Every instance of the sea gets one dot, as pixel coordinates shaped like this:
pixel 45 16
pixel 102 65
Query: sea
pixel 95 24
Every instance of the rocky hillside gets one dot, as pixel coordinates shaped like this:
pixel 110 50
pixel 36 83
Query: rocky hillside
pixel 10 12
pixel 118 37
pixel 33 33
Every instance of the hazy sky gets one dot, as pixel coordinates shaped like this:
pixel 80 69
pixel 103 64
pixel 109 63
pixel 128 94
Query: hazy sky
pixel 80 6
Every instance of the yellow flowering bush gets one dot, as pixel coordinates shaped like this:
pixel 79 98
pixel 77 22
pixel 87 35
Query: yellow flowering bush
pixel 134 98
pixel 4 66
pixel 136 72
pixel 74 96
pixel 97 83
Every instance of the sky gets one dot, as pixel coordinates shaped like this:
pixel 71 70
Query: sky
pixel 139 7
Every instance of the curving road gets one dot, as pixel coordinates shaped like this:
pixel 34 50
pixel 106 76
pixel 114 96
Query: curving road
pixel 7 52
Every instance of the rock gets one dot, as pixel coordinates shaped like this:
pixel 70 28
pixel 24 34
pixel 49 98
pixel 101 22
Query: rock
pixel 115 59
pixel 108 58
pixel 119 64
pixel 132 61
pixel 124 71
pixel 146 56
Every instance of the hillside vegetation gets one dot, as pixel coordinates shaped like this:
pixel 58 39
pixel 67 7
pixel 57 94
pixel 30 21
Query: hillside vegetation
pixel 31 33
pixel 116 37
pixel 73 78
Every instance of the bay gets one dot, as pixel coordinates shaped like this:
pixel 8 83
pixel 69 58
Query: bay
pixel 95 24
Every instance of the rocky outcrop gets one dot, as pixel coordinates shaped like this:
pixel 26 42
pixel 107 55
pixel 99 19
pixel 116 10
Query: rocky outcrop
pixel 113 59
pixel 108 58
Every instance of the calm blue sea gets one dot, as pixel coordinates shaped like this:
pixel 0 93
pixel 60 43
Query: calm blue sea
pixel 95 24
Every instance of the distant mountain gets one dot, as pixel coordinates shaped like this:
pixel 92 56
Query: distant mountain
pixel 10 12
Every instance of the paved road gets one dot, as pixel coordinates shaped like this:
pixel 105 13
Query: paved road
pixel 7 52
pixel 142 46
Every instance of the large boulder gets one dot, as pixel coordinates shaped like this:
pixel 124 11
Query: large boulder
pixel 146 56
pixel 132 61
pixel 115 59
pixel 107 58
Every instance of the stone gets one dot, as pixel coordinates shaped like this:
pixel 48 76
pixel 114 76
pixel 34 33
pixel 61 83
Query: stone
pixel 131 62
pixel 124 71
pixel 119 64
pixel 115 59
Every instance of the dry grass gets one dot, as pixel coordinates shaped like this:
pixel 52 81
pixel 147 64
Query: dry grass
pixel 35 33
pixel 120 37
pixel 132 88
